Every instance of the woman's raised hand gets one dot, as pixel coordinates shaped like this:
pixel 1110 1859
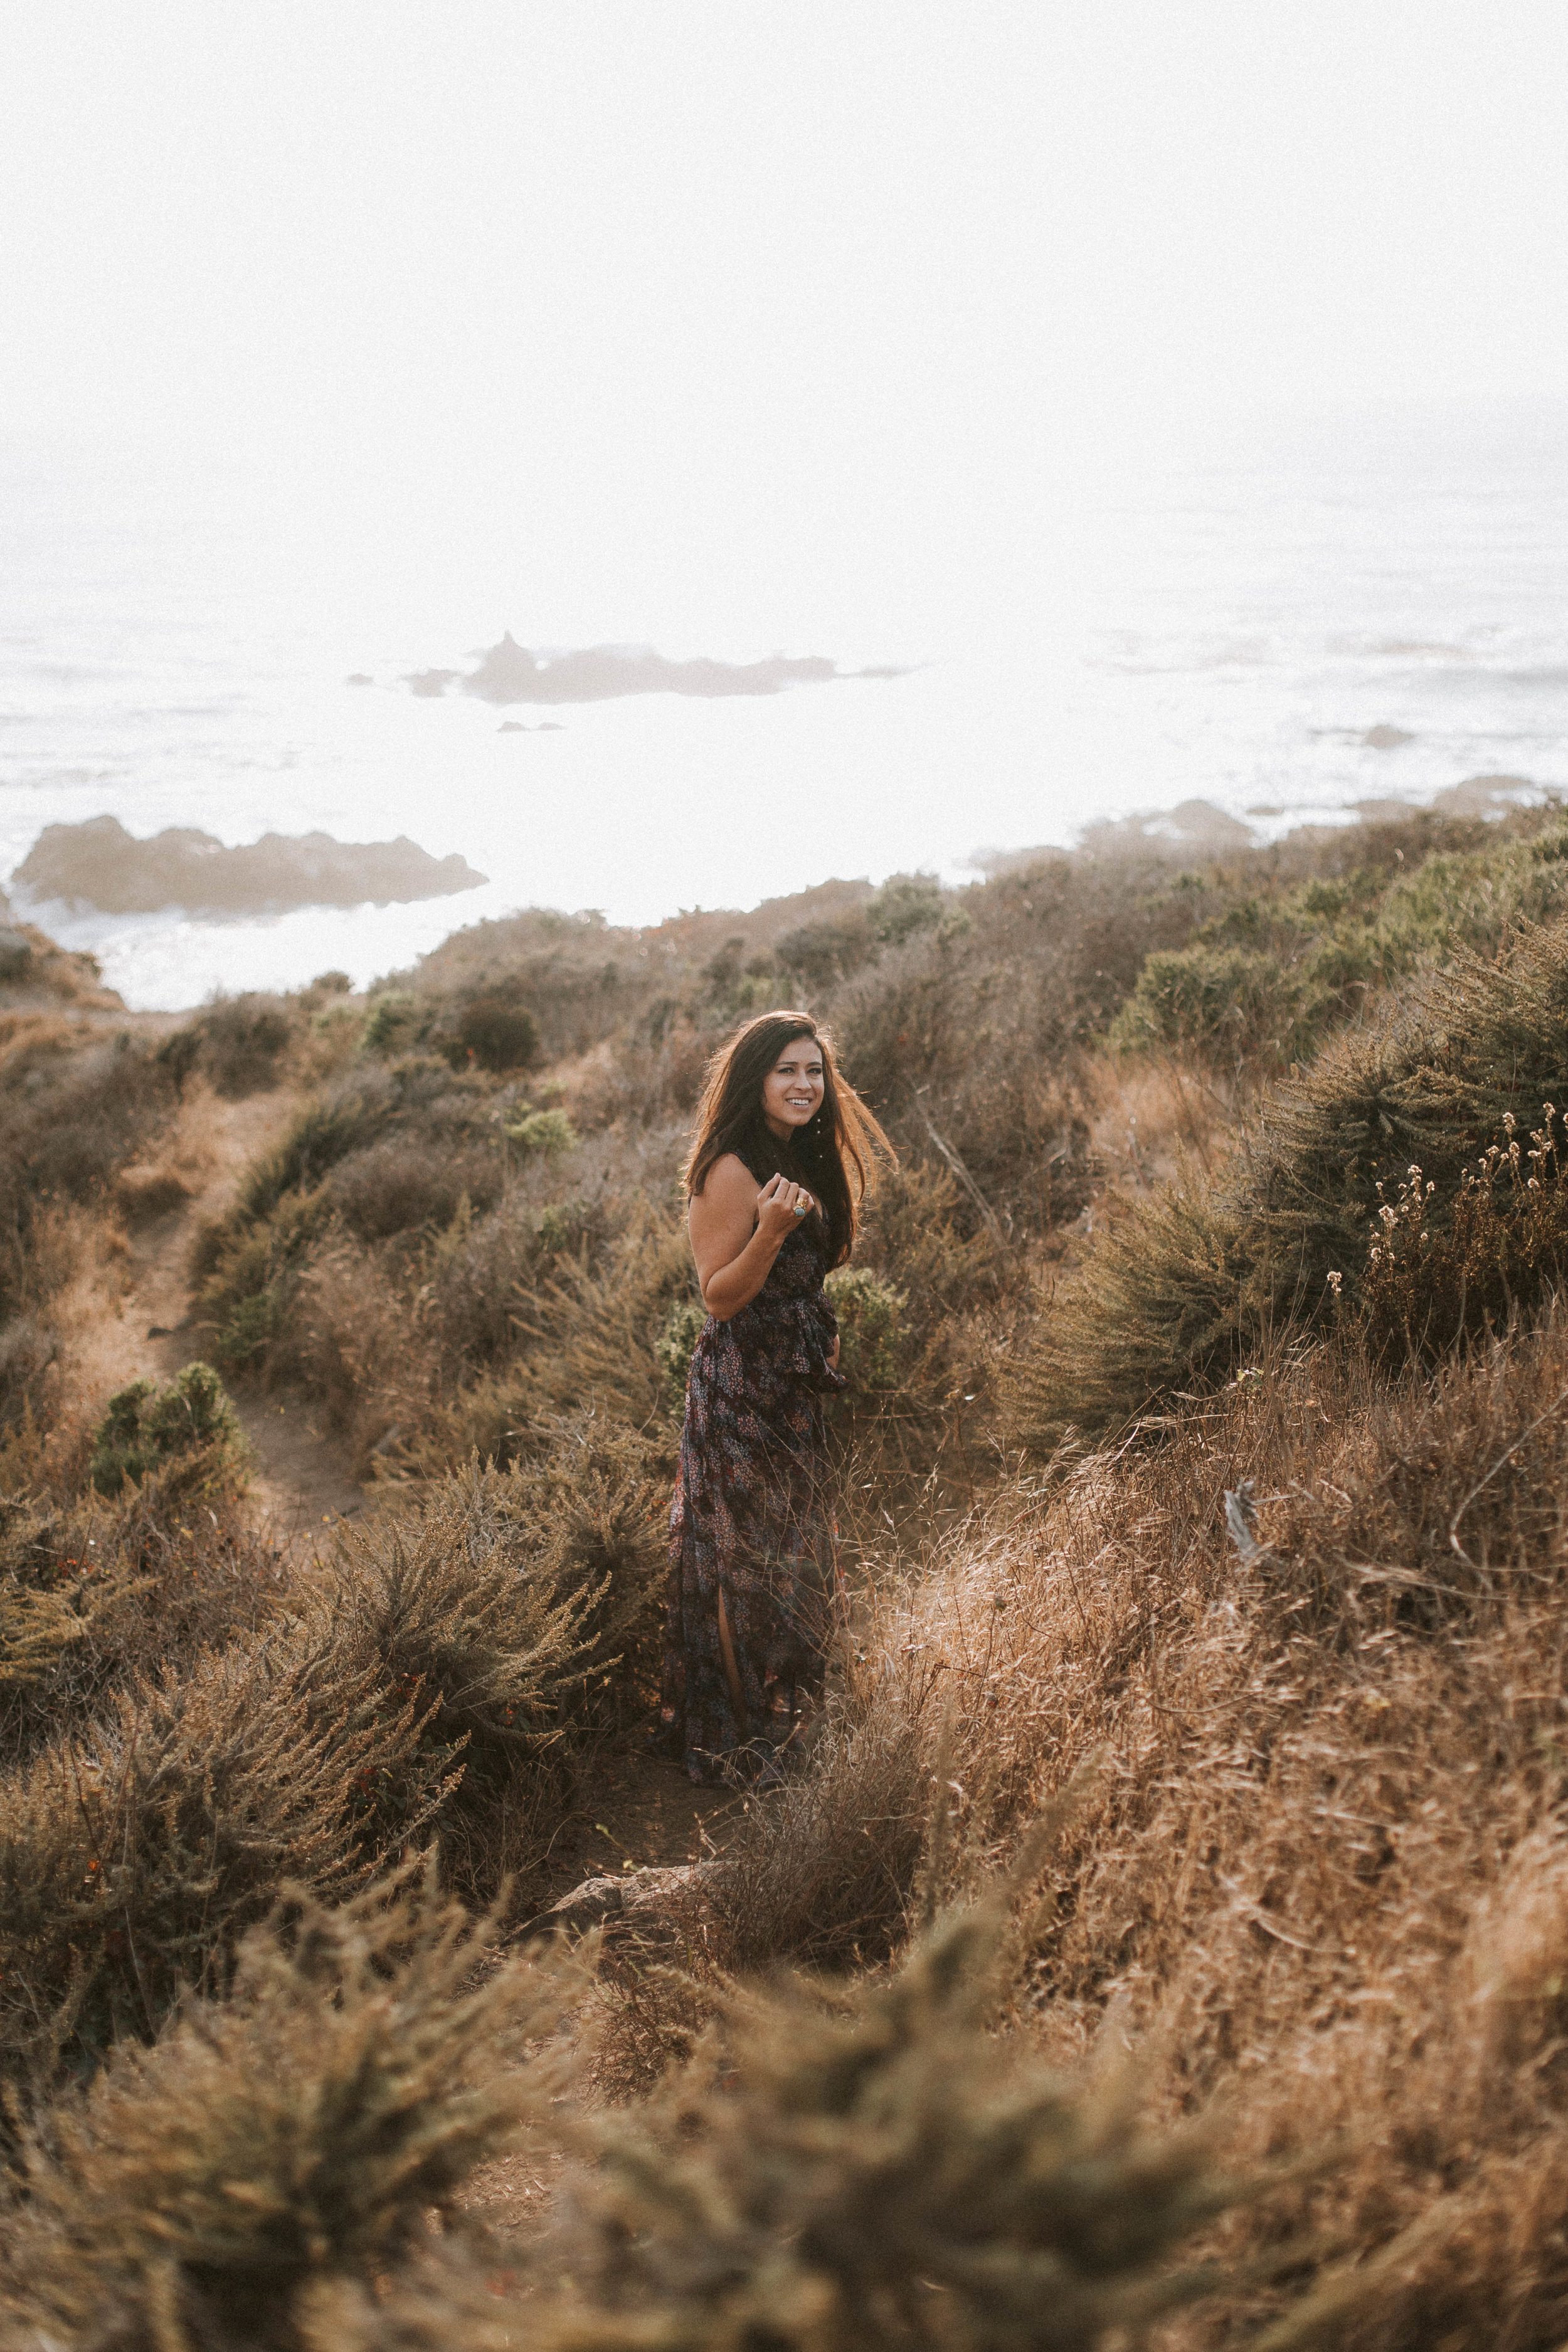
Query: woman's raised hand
pixel 777 1210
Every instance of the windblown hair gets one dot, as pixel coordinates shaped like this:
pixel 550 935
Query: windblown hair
pixel 834 1155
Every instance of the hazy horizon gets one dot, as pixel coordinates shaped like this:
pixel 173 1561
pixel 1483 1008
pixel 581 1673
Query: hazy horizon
pixel 1033 354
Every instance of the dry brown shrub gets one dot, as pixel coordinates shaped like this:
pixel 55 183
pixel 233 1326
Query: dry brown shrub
pixel 821 1871
pixel 1188 1285
pixel 206 2192
pixel 586 1332
pixel 133 1854
pixel 513 1609
pixel 131 1583
pixel 882 2170
pixel 44 1249
pixel 403 1184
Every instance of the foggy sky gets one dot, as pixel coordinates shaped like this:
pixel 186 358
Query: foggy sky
pixel 716 307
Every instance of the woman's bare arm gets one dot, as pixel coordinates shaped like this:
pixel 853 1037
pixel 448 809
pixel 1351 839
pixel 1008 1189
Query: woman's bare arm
pixel 737 1231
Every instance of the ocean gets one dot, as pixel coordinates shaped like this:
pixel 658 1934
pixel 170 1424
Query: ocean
pixel 1303 615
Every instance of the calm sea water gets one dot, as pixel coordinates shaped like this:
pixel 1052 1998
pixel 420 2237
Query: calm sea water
pixel 1227 625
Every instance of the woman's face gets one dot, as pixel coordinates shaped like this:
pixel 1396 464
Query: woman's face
pixel 792 1089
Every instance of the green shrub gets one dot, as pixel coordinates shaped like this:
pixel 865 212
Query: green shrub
pixel 542 1133
pixel 674 1347
pixel 906 903
pixel 250 1329
pixel 146 1426
pixel 871 1326
pixel 394 1022
pixel 1212 999
pixel 1268 976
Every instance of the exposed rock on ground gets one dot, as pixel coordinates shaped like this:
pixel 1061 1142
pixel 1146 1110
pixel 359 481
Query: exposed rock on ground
pixel 97 864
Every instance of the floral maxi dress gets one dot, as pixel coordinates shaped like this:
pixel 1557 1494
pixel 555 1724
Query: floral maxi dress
pixel 753 1519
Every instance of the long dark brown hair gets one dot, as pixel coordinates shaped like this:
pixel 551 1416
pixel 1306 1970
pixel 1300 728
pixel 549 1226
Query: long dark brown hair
pixel 834 1155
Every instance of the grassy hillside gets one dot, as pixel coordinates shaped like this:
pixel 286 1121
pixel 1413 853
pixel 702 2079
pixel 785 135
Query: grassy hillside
pixel 1179 1875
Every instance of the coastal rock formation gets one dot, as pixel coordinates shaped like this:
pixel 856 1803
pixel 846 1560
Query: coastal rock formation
pixel 97 864
pixel 508 672
pixel 1193 828
pixel 1483 796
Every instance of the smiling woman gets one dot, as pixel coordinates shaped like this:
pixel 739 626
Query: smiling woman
pixel 782 1154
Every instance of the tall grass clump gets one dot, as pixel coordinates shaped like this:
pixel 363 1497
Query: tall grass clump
pixel 1188 1286
pixel 97 1590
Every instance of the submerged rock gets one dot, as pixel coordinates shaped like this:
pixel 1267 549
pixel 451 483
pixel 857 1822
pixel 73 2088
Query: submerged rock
pixel 97 864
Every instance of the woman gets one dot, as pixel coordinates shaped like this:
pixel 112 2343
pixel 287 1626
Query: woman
pixel 780 1162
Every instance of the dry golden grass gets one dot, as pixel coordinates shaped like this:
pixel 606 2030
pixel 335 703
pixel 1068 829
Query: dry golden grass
pixel 1320 1871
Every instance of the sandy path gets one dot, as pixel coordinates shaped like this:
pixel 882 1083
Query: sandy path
pixel 143 1330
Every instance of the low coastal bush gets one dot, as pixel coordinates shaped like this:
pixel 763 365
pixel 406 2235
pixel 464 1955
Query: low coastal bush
pixel 456 1605
pixel 449 1680
pixel 1266 980
pixel 238 1044
pixel 95 1591
pixel 135 1852
pixel 75 1111
pixel 870 1314
pixel 405 1184
pixel 1193 1281
pixel 675 1346
pixel 541 1131
pixel 293 2138
pixel 885 2170
pixel 147 1427
pixel 496 1035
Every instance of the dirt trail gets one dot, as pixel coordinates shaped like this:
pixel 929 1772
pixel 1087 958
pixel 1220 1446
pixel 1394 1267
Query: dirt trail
pixel 299 1478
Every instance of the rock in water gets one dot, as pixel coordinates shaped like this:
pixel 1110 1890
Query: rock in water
pixel 97 864
pixel 508 672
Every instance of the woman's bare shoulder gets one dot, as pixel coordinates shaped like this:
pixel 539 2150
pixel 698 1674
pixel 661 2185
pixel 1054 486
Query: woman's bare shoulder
pixel 729 1179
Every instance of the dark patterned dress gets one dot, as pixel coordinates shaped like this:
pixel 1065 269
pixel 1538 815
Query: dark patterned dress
pixel 752 1518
